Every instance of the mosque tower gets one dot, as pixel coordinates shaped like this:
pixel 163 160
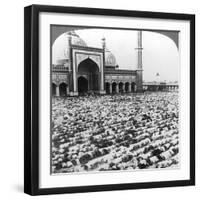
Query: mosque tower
pixel 139 70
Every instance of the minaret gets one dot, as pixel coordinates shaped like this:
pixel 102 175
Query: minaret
pixel 139 49
pixel 104 49
pixel 67 51
pixel 101 74
pixel 70 77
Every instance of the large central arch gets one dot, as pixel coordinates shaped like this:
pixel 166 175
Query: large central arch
pixel 90 70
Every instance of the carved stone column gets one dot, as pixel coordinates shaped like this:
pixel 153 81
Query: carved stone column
pixel 110 89
pixel 123 87
pixel 129 87
pixel 67 90
pixel 117 88
pixel 57 91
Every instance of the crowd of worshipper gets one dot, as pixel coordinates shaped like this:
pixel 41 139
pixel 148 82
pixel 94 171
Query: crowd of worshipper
pixel 115 132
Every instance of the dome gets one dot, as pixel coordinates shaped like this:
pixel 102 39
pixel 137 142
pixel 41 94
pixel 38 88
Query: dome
pixel 63 55
pixel 110 59
pixel 76 40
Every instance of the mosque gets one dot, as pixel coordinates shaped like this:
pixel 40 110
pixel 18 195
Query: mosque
pixel 85 69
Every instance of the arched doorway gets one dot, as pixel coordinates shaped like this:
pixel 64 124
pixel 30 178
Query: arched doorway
pixel 63 89
pixel 107 88
pixel 121 87
pixel 90 70
pixel 53 89
pixel 114 86
pixel 82 85
pixel 160 87
pixel 133 87
pixel 126 86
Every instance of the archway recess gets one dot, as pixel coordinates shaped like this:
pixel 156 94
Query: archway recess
pixel 107 88
pixel 63 89
pixel 53 89
pixel 90 70
pixel 127 87
pixel 82 85
pixel 133 87
pixel 114 87
pixel 121 87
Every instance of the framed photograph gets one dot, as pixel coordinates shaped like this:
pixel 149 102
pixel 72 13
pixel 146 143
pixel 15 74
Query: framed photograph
pixel 109 99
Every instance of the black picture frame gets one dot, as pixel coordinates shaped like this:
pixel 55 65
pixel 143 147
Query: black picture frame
pixel 31 98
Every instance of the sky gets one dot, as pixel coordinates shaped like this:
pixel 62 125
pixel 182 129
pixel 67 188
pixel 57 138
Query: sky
pixel 160 54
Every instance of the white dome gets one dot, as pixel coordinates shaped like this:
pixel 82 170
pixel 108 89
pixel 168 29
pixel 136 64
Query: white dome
pixel 110 59
pixel 75 40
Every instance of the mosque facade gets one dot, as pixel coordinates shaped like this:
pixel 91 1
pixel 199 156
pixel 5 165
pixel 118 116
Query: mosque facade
pixel 84 69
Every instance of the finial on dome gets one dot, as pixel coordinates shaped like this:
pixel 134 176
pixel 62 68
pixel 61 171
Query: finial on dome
pixel 73 33
pixel 69 37
pixel 103 42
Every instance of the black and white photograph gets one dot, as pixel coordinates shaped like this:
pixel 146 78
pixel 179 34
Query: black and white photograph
pixel 114 99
